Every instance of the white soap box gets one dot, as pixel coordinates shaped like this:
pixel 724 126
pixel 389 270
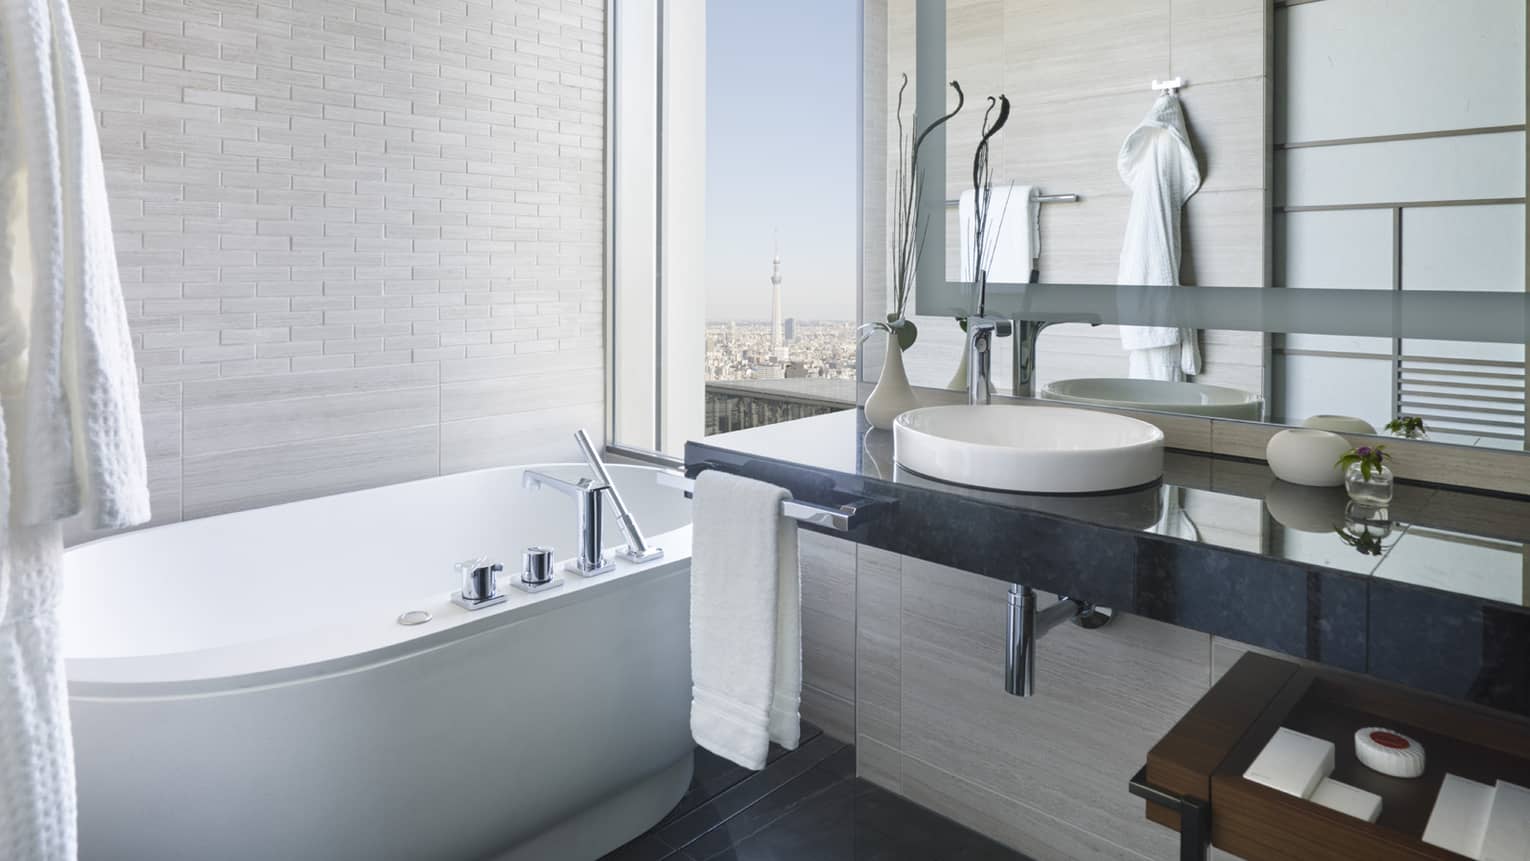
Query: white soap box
pixel 1351 800
pixel 1508 825
pixel 1489 823
pixel 1459 819
pixel 1293 763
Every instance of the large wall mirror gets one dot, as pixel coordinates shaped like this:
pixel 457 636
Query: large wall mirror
pixel 1354 245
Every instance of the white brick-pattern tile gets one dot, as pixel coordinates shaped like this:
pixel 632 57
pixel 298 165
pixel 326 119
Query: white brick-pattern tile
pixel 360 240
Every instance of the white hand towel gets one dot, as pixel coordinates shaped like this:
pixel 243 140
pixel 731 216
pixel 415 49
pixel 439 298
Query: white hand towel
pixel 1014 233
pixel 1158 165
pixel 746 620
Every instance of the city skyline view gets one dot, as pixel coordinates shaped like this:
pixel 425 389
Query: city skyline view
pixel 783 80
pixel 745 350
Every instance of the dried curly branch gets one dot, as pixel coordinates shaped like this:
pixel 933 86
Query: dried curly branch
pixel 983 242
pixel 908 229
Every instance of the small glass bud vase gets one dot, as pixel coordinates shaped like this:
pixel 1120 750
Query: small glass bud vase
pixel 1374 491
pixel 1363 519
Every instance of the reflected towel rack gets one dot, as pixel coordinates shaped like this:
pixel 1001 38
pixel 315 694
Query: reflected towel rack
pixel 1040 198
pixel 841 519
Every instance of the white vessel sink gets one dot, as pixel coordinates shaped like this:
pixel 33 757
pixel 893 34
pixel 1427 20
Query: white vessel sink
pixel 1197 399
pixel 1030 449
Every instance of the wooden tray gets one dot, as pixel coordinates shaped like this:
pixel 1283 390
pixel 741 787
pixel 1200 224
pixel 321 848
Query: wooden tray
pixel 1206 753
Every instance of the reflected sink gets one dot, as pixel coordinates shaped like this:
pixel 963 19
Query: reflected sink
pixel 1028 449
pixel 1197 399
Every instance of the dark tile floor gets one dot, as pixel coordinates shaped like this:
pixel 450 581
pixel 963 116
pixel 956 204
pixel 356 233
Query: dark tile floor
pixel 806 805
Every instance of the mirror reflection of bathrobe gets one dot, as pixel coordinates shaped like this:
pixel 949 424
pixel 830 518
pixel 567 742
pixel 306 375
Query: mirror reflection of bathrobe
pixel 1158 165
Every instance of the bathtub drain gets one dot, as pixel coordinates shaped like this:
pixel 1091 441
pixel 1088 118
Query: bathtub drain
pixel 414 617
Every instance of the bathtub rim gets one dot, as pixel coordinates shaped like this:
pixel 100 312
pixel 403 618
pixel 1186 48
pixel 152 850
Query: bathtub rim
pixel 354 642
pixel 177 674
pixel 257 667
pixel 137 531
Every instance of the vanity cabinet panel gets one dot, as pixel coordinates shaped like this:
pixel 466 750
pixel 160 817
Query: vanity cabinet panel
pixel 828 633
pixel 878 657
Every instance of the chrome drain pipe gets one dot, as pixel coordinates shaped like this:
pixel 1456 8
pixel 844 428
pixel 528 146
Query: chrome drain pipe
pixel 1027 624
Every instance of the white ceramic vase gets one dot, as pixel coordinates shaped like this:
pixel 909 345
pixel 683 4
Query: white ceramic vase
pixel 1305 508
pixel 959 379
pixel 1306 456
pixel 1339 424
pixel 892 396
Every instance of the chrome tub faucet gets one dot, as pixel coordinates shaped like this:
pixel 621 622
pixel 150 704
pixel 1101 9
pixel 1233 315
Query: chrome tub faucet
pixel 638 549
pixel 588 495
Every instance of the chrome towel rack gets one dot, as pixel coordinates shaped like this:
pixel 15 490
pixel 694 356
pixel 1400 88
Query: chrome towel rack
pixel 841 519
pixel 1040 198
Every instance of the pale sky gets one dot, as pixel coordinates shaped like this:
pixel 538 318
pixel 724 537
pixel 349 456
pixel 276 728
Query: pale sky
pixel 783 102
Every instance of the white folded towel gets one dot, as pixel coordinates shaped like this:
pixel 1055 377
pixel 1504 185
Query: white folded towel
pixel 1013 246
pixel 746 620
pixel 1158 165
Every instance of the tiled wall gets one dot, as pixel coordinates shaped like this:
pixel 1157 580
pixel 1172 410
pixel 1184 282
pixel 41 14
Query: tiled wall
pixel 360 240
pixel 1045 774
pixel 919 650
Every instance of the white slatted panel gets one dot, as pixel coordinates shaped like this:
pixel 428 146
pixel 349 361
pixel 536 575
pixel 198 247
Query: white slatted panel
pixel 1466 398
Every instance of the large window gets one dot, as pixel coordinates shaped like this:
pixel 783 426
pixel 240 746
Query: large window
pixel 735 254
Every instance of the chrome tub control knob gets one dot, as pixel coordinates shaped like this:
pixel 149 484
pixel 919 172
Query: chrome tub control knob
pixel 480 584
pixel 537 571
pixel 538 567
pixel 480 581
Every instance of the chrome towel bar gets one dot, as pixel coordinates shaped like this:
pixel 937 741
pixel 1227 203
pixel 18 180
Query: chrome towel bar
pixel 842 519
pixel 1040 198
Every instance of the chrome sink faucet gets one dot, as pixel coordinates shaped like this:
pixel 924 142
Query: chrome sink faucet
pixel 1027 333
pixel 981 332
pixel 1027 338
pixel 982 329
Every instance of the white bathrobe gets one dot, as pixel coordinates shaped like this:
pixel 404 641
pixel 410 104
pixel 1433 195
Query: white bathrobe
pixel 1158 165
pixel 69 413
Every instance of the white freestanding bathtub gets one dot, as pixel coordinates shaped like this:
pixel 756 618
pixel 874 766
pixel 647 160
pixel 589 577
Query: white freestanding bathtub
pixel 241 687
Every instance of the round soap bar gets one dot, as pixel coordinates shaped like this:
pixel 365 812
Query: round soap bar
pixel 1389 752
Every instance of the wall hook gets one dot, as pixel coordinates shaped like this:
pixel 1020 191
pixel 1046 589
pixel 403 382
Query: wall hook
pixel 1172 85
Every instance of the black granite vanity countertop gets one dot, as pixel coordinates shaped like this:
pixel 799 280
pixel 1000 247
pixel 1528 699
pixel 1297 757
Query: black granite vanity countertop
pixel 1434 598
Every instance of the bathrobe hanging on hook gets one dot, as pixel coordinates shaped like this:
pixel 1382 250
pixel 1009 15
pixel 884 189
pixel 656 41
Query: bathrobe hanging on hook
pixel 71 437
pixel 1159 166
